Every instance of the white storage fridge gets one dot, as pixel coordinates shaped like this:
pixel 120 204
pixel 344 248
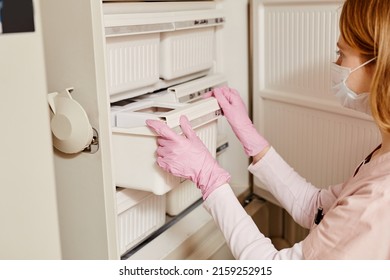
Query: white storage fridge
pixel 112 64
pixel 124 62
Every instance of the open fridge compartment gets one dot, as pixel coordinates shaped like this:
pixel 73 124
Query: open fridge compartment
pixel 159 64
pixel 191 92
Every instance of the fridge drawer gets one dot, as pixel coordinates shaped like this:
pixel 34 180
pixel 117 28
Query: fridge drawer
pixel 139 214
pixel 134 144
pixel 184 52
pixel 181 197
pixel 132 62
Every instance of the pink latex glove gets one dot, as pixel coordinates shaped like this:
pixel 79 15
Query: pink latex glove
pixel 186 156
pixel 235 112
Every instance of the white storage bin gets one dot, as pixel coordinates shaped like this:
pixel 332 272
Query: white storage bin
pixel 132 62
pixel 184 52
pixel 182 197
pixel 134 147
pixel 139 214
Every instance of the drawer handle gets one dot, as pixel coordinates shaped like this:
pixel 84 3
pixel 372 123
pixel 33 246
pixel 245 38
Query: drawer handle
pixel 201 21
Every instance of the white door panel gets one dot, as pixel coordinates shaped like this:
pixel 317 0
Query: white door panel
pixel 294 43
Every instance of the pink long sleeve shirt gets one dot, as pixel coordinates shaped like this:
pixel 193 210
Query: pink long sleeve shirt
pixel 356 224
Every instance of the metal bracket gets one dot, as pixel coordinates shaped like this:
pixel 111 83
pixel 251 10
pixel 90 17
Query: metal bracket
pixel 251 197
pixel 94 146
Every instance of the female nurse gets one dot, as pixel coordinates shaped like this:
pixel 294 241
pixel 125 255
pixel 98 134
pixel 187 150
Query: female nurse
pixel 354 223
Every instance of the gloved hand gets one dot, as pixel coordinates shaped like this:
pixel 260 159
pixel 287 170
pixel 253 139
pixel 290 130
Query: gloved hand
pixel 235 112
pixel 186 156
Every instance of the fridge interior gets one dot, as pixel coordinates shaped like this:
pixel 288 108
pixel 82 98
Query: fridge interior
pixel 140 61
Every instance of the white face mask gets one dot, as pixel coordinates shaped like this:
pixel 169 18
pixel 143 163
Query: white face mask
pixel 347 97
